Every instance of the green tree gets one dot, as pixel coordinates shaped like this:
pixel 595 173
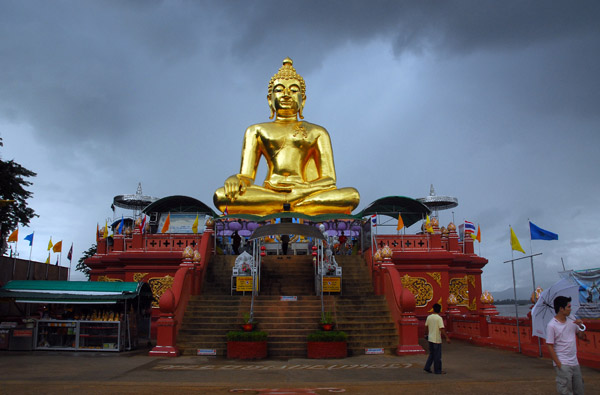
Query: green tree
pixel 13 198
pixel 81 266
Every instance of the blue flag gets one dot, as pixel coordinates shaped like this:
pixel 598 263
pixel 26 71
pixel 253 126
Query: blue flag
pixel 538 233
pixel 29 238
pixel 120 230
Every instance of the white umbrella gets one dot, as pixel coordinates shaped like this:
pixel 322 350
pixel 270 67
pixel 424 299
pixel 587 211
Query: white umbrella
pixel 543 311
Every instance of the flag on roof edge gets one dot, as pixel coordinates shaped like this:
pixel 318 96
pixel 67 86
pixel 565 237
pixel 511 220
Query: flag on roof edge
pixel 120 230
pixel 374 220
pixel 50 244
pixel 195 225
pixel 70 254
pixel 400 222
pixel 57 247
pixel 167 224
pixel 14 236
pixel 514 242
pixel 29 238
pixel 469 227
pixel 478 235
pixel 538 233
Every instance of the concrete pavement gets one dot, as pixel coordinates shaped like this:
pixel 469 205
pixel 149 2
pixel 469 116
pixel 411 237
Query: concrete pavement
pixel 471 370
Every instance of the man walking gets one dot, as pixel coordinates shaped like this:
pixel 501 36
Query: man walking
pixel 435 327
pixel 562 346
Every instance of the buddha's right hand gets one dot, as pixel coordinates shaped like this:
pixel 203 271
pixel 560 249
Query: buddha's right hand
pixel 235 186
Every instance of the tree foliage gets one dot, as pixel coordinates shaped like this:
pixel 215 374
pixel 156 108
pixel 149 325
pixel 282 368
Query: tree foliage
pixel 13 208
pixel 81 266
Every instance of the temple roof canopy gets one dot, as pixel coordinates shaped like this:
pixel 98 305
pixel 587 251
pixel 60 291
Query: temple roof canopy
pixel 179 204
pixel 411 209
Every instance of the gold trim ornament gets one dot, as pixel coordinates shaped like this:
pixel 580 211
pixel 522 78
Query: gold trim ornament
pixel 137 277
pixel 159 285
pixel 487 298
pixel 108 279
pixel 536 295
pixel 437 276
pixel 197 256
pixel 188 253
pixel 458 286
pixel 386 252
pixel 452 301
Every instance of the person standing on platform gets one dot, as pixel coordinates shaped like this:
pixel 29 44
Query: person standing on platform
pixel 435 327
pixel 237 241
pixel 562 346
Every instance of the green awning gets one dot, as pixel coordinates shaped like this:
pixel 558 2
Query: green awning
pixel 78 292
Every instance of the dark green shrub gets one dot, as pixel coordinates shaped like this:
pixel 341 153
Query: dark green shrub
pixel 243 336
pixel 327 336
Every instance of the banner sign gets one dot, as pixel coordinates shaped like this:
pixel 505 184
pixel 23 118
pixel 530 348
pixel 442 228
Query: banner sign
pixel 373 351
pixel 206 351
pixel 243 283
pixel 332 284
pixel 288 299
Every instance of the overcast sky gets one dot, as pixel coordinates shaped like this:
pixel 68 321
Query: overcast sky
pixel 495 103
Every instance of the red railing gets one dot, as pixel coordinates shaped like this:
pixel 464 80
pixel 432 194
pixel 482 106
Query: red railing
pixel 173 302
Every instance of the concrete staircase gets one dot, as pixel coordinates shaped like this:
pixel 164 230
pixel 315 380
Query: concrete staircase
pixel 364 316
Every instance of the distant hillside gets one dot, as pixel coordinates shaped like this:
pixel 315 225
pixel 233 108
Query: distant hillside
pixel 522 293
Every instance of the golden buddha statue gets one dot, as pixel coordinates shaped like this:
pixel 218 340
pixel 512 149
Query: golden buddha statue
pixel 301 173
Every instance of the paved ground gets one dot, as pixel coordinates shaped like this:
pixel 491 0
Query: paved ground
pixel 471 370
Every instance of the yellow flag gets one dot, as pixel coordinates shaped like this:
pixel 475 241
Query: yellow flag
pixel 14 236
pixel 400 222
pixel 50 243
pixel 195 225
pixel 105 235
pixel 165 227
pixel 428 226
pixel 478 235
pixel 48 260
pixel 57 247
pixel 514 242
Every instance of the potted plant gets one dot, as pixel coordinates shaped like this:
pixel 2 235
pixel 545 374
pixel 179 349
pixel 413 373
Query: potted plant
pixel 327 344
pixel 326 321
pixel 246 345
pixel 249 323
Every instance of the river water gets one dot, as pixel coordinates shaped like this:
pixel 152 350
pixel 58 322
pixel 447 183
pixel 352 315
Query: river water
pixel 508 310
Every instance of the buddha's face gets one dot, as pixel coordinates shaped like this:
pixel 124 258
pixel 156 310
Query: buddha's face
pixel 286 97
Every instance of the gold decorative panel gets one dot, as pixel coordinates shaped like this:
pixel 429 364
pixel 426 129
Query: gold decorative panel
pixel 137 277
pixel 437 276
pixel 108 279
pixel 460 289
pixel 159 285
pixel 420 288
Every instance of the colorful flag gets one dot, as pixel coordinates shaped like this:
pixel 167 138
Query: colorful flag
pixel 538 233
pixel 105 234
pixel 374 220
pixel 14 236
pixel 48 260
pixel 226 212
pixel 50 244
pixel 400 222
pixel 165 227
pixel 70 254
pixel 143 225
pixel 57 247
pixel 478 235
pixel 195 225
pixel 57 260
pixel 120 229
pixel 29 238
pixel 514 242
pixel 469 227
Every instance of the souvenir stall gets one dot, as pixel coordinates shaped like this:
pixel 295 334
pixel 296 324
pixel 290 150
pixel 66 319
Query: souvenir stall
pixel 83 315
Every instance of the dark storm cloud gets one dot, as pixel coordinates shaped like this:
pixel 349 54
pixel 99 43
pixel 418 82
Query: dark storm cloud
pixel 72 68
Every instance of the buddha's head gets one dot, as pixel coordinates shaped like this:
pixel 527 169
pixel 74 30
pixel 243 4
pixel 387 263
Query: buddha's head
pixel 287 91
